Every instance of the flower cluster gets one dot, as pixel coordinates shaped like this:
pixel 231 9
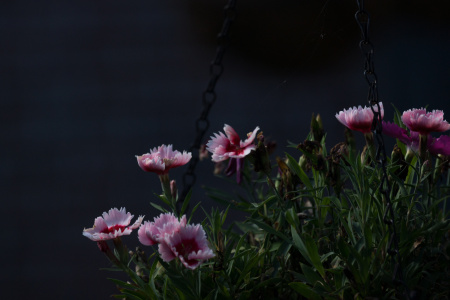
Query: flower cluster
pixel 315 186
pixel 420 123
pixel 175 239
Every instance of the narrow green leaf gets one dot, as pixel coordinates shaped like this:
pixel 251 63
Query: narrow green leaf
pixel 304 290
pixel 270 229
pixel 291 217
pixel 193 211
pixel 158 207
pixel 293 165
pixel 298 243
pixel 186 201
pixel 313 252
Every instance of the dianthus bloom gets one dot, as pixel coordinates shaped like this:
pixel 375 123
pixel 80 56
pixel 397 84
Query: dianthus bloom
pixel 358 118
pixel 151 233
pixel 441 145
pixel 189 245
pixel 422 122
pixel 160 160
pixel 112 225
pixel 395 131
pixel 411 140
pixel 229 146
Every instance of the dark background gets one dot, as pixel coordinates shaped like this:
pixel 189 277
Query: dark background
pixel 86 85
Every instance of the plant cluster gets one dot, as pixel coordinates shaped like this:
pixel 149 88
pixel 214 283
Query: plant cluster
pixel 316 222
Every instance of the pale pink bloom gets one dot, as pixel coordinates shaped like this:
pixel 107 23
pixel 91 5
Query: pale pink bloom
pixel 112 225
pixel 189 244
pixel 359 118
pixel 441 145
pixel 151 233
pixel 229 145
pixel 422 122
pixel 160 160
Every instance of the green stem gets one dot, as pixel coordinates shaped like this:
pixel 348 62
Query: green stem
pixel 165 184
pixel 370 145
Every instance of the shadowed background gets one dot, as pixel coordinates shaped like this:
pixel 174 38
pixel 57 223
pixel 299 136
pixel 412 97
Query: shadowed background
pixel 86 85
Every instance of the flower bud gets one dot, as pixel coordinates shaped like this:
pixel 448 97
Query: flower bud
pixel 203 153
pixel 173 190
pixel 396 155
pixel 426 167
pixel 317 128
pixel 260 157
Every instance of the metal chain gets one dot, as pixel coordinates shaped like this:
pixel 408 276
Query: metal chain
pixel 363 19
pixel 209 97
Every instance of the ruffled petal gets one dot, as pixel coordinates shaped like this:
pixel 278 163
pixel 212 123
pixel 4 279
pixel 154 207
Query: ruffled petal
pixel 232 135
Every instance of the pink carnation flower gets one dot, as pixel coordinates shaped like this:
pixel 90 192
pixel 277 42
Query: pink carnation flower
pixel 189 244
pixel 422 122
pixel 359 119
pixel 112 225
pixel 441 145
pixel 160 160
pixel 151 233
pixel 230 145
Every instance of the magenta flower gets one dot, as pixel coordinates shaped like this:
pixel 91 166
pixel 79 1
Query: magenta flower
pixel 422 122
pixel 395 131
pixel 359 119
pixel 151 233
pixel 160 160
pixel 189 244
pixel 230 145
pixel 441 145
pixel 112 225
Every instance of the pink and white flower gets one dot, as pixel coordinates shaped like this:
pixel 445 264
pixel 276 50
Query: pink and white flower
pixel 112 225
pixel 441 145
pixel 189 244
pixel 151 233
pixel 229 145
pixel 160 160
pixel 422 122
pixel 359 118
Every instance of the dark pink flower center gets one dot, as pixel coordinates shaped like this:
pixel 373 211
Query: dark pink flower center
pixel 236 149
pixel 187 247
pixel 114 228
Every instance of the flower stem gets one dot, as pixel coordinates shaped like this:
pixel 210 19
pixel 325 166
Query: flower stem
pixel 370 145
pixel 423 139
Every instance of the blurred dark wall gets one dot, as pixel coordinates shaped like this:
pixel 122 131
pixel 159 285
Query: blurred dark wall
pixel 86 85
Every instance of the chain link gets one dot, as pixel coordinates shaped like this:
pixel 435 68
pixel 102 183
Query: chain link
pixel 363 19
pixel 209 97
